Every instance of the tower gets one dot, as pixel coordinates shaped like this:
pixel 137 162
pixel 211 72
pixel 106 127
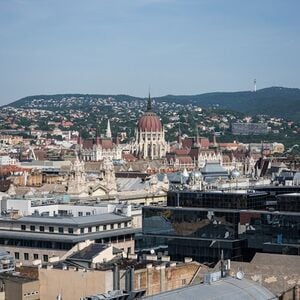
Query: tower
pixel 254 82
pixel 108 130
pixel 149 136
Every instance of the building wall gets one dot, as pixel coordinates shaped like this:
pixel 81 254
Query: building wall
pixel 31 251
pixel 53 282
pixel 291 294
pixel 158 279
pixel 15 290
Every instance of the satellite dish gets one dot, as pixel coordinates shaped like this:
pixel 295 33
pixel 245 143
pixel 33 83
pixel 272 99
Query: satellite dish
pixel 240 275
pixel 152 251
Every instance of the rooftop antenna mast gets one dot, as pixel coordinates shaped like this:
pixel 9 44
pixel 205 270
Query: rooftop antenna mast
pixel 254 82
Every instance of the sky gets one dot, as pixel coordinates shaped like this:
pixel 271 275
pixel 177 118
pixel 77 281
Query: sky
pixel 125 46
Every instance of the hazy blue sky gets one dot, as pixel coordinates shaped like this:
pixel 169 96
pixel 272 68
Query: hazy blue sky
pixel 123 46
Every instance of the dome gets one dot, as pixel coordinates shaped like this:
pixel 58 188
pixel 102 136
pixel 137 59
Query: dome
pixel 150 122
pixel 235 173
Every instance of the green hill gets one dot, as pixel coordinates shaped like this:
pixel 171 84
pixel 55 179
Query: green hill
pixel 273 101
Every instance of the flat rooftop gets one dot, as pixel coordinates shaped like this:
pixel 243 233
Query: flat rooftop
pixel 103 218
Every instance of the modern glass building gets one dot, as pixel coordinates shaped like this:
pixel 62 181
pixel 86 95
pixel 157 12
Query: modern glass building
pixel 234 199
pixel 200 225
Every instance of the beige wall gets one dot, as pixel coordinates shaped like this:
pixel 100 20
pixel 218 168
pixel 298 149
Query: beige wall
pixel 31 251
pixel 72 284
pixel 15 290
pixel 121 244
pixel 159 279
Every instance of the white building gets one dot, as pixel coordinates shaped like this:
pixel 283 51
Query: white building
pixel 149 136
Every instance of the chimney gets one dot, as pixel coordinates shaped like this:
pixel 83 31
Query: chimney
pixel 129 279
pixel 116 277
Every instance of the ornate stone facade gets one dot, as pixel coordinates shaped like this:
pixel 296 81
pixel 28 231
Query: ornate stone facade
pixel 100 148
pixel 149 136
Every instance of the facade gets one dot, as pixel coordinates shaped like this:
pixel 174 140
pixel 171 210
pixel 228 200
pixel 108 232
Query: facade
pixel 57 229
pixel 100 148
pixel 191 153
pixel 20 288
pixel 199 225
pixel 150 136
pixel 236 199
pixel 128 275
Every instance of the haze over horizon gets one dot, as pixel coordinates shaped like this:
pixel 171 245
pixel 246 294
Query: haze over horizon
pixel 123 46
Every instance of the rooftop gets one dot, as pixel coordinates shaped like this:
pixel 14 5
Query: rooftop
pixel 89 252
pixel 227 288
pixel 72 221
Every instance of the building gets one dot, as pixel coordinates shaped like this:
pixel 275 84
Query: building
pixel 6 160
pixel 276 272
pixel 101 147
pixel 249 128
pixel 53 230
pixel 149 136
pixel 191 153
pixel 231 199
pixel 200 224
pixel 19 287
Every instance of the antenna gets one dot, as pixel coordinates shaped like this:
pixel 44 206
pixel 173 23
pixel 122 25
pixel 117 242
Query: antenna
pixel 254 82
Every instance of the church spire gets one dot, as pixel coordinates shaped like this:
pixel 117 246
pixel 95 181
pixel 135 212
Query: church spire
pixel 149 106
pixel 108 130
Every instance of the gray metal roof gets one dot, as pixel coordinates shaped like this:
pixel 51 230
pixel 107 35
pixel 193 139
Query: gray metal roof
pixel 213 168
pixel 67 238
pixel 104 218
pixel 89 252
pixel 227 288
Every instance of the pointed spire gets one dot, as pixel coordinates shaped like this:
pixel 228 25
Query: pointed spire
pixel 149 106
pixel 108 130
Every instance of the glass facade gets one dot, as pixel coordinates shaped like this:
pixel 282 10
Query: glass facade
pixel 202 233
pixel 197 233
pixel 220 199
pixel 277 232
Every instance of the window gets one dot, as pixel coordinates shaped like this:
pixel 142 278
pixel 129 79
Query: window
pixel 80 214
pixel 51 229
pixel 45 258
pixel 26 256
pixel 104 227
pixel 17 255
pixel 88 213
pixel 60 229
pixel 70 230
pixel 81 230
pixel 35 256
pixel 42 228
pixel 119 225
pixel 32 228
pixel 23 227
pixel 90 229
pixel 97 228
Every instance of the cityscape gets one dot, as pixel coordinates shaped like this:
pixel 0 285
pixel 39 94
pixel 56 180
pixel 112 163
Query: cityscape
pixel 172 194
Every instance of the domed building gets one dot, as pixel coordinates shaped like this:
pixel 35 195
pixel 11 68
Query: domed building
pixel 149 136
